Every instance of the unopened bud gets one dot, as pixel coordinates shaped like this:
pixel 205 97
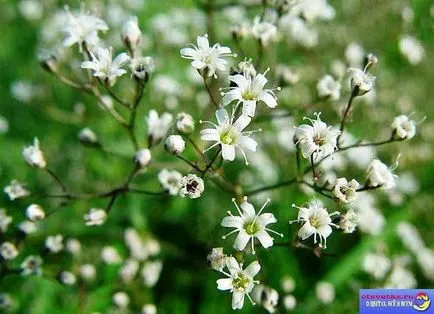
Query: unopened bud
pixel 143 158
pixel 175 144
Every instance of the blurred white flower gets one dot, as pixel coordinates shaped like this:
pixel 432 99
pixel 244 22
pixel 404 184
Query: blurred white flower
pixel 425 259
pixel 175 144
pixel 400 278
pixel 158 126
pixel 16 190
pixel 105 67
pixel 217 259
pixel 135 244
pixel 316 221
pixel 31 10
pixel 73 246
pixel 264 31
pixel 110 255
pixel 34 156
pixel 411 49
pixel 208 59
pixel 289 302
pixel 149 309
pixel 240 282
pixel 328 87
pixel 230 135
pixel 27 227
pixel 379 175
pixel 151 272
pixel 95 217
pixel 170 180
pixel 67 278
pixel 88 137
pixel 376 265
pixel 361 80
pixel 87 272
pixel 54 244
pixel 32 265
pixel 129 270
pixel 143 157
pixel 121 299
pixel 349 221
pixel 35 212
pixel 325 292
pixel 410 237
pixel 191 186
pixel 317 139
pixel 8 251
pixel 250 225
pixel 142 67
pixel 4 125
pixel 288 284
pixel 404 127
pixel 345 191
pixel 354 54
pixel 5 220
pixel 184 123
pixel 267 297
pixel 248 92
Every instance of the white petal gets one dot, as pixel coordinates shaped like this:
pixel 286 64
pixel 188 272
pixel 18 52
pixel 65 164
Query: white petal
pixel 198 64
pixel 258 83
pixel 224 284
pixel 232 265
pixel 241 81
pixel 325 230
pixel 268 99
pixel 253 269
pixel 237 300
pixel 222 116
pixel 265 239
pixel 209 135
pixel 228 152
pixel 188 52
pixel 249 107
pixel 231 96
pixel 248 142
pixel 241 240
pixel 232 222
pixel 306 231
pixel 248 209
pixel 242 122
pixel 120 60
pixel 266 219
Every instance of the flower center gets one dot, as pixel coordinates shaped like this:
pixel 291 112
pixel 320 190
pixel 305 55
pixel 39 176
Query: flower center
pixel 314 221
pixel 228 137
pixel 241 282
pixel 191 186
pixel 318 140
pixel 249 95
pixel 251 228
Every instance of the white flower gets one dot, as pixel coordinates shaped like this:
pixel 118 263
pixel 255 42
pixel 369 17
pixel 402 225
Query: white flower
pixel 288 284
pixel 151 273
pixel 142 67
pixel 425 259
pixel 325 292
pixel 250 225
pixel 158 126
pixel 149 309
pixel 240 282
pixel 247 68
pixel 54 244
pixel 217 259
pixel 35 212
pixel 170 180
pixel 16 190
pixel 410 237
pixel 88 272
pixel 73 246
pixel 175 144
pixel 67 278
pixel 289 302
pixel 313 10
pixel 411 49
pixel 354 53
pixel 131 33
pixel 129 270
pixel 400 278
pixel 121 299
pixel 248 92
pixel 404 127
pixel 88 137
pixel 361 80
pixel 143 157
pixel 230 135
pixel 345 191
pixel 95 217
pixel 376 265
pixel 328 87
pixel 8 251
pixel 5 220
pixel 105 67
pixel 31 265
pixel 191 186
pixel 34 156
pixel 82 28
pixel 267 297
pixel 110 255
pixel 287 74
pixel 185 123
pixel 206 58
pixel 264 31
pixel 316 221
pixel 4 125
pixel 349 222
pixel 379 175
pixel 27 227
pixel 135 244
pixel 318 139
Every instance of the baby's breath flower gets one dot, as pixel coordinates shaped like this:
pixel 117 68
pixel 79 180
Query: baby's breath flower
pixel 73 246
pixel 345 191
pixel 67 278
pixel 110 255
pixel 404 127
pixel 250 225
pixel 121 299
pixel 264 31
pixel 5 220
pixel 170 180
pixel 87 272
pixel 376 265
pixel 349 222
pixel 267 297
pixel 247 68
pixel 27 227
pixel 158 126
pixel 325 292
pixel 54 244
pixel 288 284
pixel 32 265
pixel 142 67
pixel 131 34
pixel 143 158
pixel 230 135
pixel 411 49
pixel 328 87
pixel 34 156
pixel 379 175
pixel 191 186
pixel 185 123
pixel 105 67
pixel 149 309
pixel 151 272
pixel 289 302
pixel 318 139
pixel 240 281
pixel 8 251
pixel 95 217
pixel 88 137
pixel 35 212
pixel 206 58
pixel 361 82
pixel 316 221
pixel 217 259
pixel 129 270
pixel 175 144
pixel 248 91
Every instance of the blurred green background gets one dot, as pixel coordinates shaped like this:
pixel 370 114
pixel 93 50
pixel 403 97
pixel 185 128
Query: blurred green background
pixel 188 229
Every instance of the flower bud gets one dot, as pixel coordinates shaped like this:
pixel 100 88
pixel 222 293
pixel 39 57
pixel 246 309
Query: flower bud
pixel 345 191
pixel 192 186
pixel 143 158
pixel 8 251
pixel 88 272
pixel 185 123
pixel 370 61
pixel 95 217
pixel 361 82
pixel 48 61
pixel 34 156
pixel 67 278
pixel 35 213
pixel 88 137
pixel 403 127
pixel 121 299
pixel 142 67
pixel 175 144
pixel 131 34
